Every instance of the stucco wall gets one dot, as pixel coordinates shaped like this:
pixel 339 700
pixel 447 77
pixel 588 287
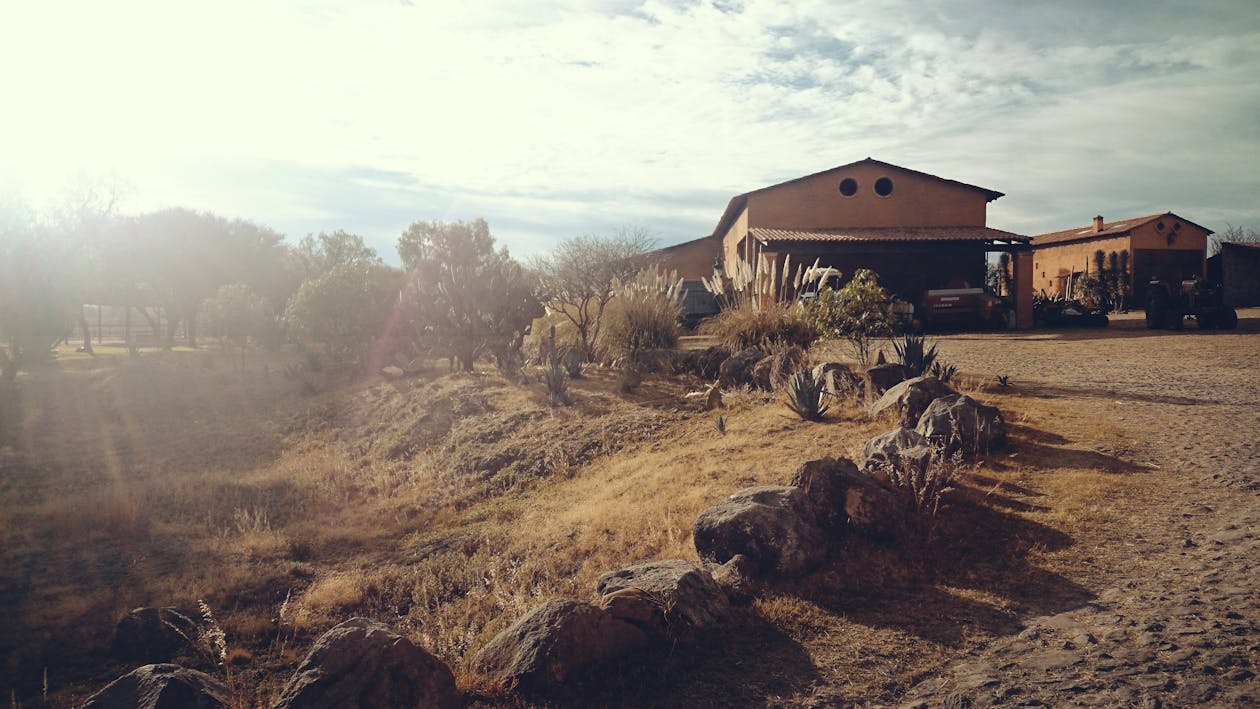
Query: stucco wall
pixel 816 202
pixel 731 240
pixel 1052 263
pixel 691 259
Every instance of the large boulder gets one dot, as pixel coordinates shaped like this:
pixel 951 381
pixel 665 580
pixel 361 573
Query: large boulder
pixel 785 363
pixel 684 596
pixel 909 399
pixel 360 664
pixel 845 498
pixel 761 373
pixel 738 578
pixel 706 363
pixel 959 424
pixel 737 369
pixel 777 527
pixel 557 641
pixel 883 377
pixel 161 686
pixel 882 453
pixel 825 482
pixel 153 635
pixel 838 380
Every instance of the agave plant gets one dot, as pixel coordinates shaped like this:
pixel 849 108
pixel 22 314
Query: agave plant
pixel 912 354
pixel 944 372
pixel 806 396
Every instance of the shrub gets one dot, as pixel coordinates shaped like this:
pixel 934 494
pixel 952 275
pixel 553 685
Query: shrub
pixel 771 327
pixel 944 372
pixel 344 308
pixel 860 312
pixel 643 316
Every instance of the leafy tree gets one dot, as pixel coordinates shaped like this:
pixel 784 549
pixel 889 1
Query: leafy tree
pixel 463 295
pixel 37 300
pixel 237 313
pixel 319 254
pixel 860 312
pixel 344 308
pixel 581 276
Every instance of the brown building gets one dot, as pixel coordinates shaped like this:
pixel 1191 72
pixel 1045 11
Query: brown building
pixel 1237 268
pixel 693 259
pixel 1163 246
pixel 917 231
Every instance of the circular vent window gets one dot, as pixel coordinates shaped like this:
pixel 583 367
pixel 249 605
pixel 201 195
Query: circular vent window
pixel 848 187
pixel 883 187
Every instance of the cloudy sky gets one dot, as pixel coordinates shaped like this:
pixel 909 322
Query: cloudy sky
pixel 561 118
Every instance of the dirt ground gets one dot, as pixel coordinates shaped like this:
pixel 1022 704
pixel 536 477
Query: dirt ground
pixel 1109 557
pixel 1175 613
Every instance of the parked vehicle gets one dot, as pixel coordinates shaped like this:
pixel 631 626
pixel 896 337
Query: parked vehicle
pixel 1057 311
pixel 1168 306
pixel 962 307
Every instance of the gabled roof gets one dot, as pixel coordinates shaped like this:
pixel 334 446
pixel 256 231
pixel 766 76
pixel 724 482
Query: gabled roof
pixel 737 202
pixel 873 234
pixel 1120 227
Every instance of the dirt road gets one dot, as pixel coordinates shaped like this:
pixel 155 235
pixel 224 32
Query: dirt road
pixel 1178 621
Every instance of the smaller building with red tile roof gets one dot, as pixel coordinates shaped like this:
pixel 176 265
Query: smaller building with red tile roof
pixel 1161 246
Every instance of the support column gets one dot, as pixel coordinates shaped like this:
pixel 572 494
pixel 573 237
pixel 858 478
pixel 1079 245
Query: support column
pixel 1023 288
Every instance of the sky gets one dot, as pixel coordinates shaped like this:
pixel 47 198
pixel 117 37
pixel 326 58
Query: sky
pixel 565 118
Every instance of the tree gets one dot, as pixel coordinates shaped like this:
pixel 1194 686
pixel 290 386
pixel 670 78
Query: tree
pixel 236 313
pixel 463 295
pixel 319 254
pixel 582 274
pixel 36 302
pixel 1233 235
pixel 344 308
pixel 860 312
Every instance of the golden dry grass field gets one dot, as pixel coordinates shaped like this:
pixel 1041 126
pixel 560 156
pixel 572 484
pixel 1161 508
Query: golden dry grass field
pixel 448 505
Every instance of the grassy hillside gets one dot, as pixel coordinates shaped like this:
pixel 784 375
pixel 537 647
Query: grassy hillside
pixel 449 505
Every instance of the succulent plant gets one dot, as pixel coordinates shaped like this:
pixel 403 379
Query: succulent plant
pixel 806 396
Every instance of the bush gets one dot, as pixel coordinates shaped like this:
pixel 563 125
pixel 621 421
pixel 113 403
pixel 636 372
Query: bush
pixel 643 316
pixel 771 327
pixel 860 312
pixel 344 308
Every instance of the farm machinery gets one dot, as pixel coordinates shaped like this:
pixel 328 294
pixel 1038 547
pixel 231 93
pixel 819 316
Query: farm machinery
pixel 1168 306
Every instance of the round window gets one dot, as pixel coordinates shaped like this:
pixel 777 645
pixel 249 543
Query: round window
pixel 848 187
pixel 883 187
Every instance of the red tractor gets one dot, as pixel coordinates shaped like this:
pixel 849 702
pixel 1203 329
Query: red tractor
pixel 1168 305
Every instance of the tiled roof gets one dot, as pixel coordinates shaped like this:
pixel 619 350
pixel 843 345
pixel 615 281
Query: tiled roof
pixel 1119 227
pixel 861 234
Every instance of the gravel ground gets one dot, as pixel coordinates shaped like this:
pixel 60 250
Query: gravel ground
pixel 1178 622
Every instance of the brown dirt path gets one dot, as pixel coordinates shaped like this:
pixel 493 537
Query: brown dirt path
pixel 1176 616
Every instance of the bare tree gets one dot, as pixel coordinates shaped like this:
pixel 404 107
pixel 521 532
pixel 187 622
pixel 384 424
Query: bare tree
pixel 1234 235
pixel 581 276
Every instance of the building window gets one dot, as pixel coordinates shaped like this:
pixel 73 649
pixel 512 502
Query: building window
pixel 883 187
pixel 848 187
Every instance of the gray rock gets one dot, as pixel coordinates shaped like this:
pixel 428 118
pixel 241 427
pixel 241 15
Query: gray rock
pixel 152 635
pixel 784 364
pixel 909 399
pixel 361 663
pixel 737 577
pixel 761 373
pixel 883 377
pixel 737 369
pixel 959 424
pixel 775 526
pixel 161 686
pixel 883 452
pixel 555 642
pixel 839 380
pixel 705 363
pixel 684 595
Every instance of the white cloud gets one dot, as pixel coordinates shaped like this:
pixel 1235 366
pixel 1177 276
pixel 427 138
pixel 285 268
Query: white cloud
pixel 580 115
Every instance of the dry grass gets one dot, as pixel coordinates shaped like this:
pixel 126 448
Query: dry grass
pixel 449 506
